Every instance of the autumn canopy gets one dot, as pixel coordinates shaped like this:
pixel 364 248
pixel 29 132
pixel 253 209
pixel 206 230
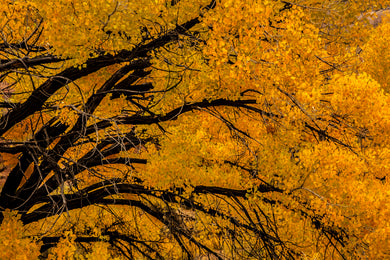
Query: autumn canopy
pixel 194 129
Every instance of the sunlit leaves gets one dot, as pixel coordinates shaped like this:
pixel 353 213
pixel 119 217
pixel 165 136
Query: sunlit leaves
pixel 15 243
pixel 262 121
pixel 375 55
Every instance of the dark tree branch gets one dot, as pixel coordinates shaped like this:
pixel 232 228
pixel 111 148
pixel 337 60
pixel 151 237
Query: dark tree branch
pixel 27 62
pixel 38 97
pixel 42 139
pixel 172 115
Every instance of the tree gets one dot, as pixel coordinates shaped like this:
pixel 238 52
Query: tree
pixel 183 129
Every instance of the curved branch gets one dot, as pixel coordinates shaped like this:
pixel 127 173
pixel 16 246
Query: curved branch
pixel 39 96
pixel 175 113
pixel 42 140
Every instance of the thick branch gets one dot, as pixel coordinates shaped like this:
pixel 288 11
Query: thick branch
pixel 172 115
pixel 97 192
pixel 38 97
pixel 27 62
pixel 42 139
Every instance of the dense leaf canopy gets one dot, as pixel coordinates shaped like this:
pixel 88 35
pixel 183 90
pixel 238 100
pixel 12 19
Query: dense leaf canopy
pixel 251 129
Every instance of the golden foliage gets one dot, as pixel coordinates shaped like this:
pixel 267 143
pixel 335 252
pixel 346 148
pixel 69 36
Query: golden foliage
pixel 14 241
pixel 265 120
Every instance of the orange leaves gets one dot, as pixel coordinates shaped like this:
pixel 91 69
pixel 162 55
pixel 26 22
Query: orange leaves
pixel 19 19
pixel 193 156
pixel 363 103
pixel 315 128
pixel 66 248
pixel 14 241
pixel 84 28
pixel 375 56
